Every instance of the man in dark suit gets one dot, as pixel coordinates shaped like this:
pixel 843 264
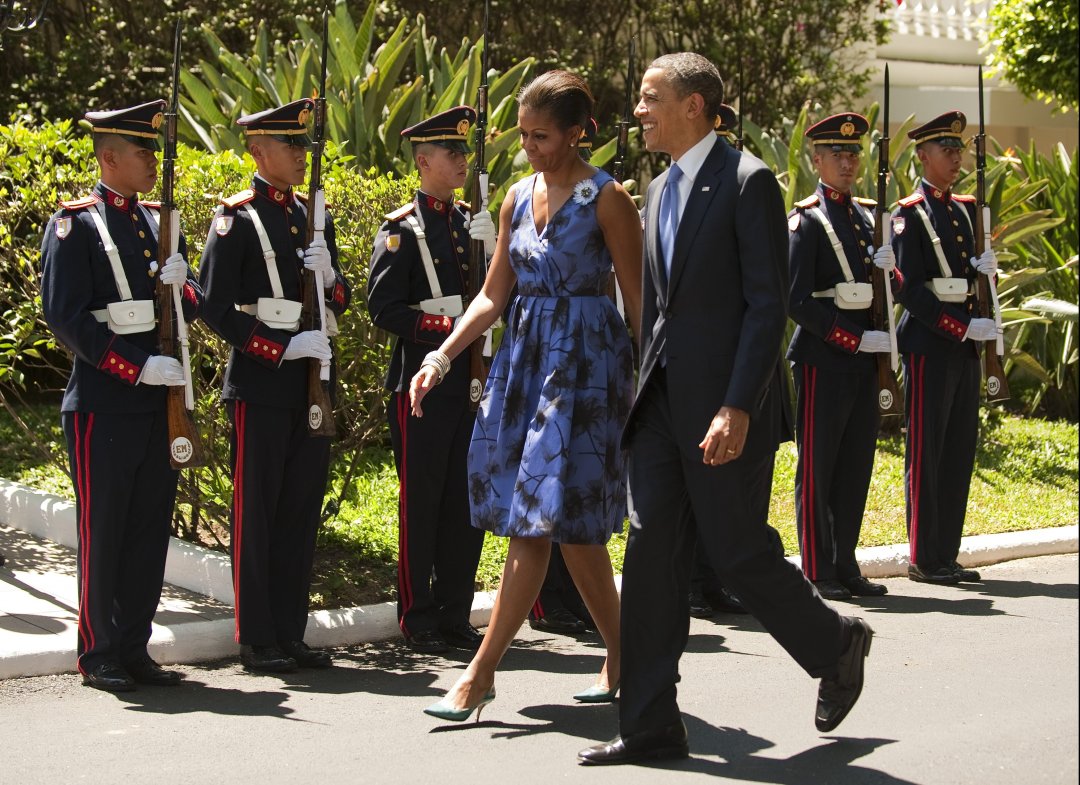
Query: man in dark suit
pixel 708 416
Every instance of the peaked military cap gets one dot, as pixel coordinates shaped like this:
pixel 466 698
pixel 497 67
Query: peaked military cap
pixel 137 124
pixel 588 138
pixel 945 129
pixel 286 123
pixel 449 129
pixel 841 132
pixel 726 122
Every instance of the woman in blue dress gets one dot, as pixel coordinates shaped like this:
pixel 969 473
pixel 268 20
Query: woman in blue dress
pixel 546 462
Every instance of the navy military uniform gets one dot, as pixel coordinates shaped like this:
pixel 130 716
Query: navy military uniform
pixel 279 470
pixel 438 548
pixel 98 251
pixel 941 369
pixel 837 417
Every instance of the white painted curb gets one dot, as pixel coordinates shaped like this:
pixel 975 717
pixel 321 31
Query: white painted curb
pixel 206 572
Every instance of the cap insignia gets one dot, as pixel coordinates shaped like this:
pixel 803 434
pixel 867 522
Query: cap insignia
pixel 463 127
pixel 847 129
pixel 159 118
pixel 302 118
pixel 956 126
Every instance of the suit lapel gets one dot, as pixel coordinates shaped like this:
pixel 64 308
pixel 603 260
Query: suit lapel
pixel 705 188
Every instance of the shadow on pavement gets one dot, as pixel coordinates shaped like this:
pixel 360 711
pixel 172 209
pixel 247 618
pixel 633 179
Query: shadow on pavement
pixel 1016 589
pixel 956 604
pixel 830 762
pixel 194 696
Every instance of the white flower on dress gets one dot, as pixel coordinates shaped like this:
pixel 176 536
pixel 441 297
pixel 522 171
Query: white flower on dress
pixel 584 192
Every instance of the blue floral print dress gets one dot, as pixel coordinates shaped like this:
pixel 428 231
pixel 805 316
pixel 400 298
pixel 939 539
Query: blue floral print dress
pixel 545 459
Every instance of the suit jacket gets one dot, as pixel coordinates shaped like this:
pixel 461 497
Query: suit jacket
pixel 720 319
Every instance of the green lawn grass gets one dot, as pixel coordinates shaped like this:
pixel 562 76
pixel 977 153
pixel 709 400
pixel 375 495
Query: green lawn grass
pixel 1025 478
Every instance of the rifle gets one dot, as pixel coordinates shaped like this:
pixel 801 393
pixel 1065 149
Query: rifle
pixel 185 446
pixel 478 188
pixel 997 388
pixel 320 409
pixel 890 398
pixel 618 166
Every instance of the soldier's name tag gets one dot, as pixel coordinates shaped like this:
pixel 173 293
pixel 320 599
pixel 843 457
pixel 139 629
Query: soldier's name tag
pixel 63 227
pixel 898 224
pixel 393 242
pixel 223 224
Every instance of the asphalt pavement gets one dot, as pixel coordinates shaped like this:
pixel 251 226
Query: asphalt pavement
pixel 969 684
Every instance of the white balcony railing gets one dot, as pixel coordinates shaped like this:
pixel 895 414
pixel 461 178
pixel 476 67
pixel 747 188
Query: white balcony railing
pixel 955 20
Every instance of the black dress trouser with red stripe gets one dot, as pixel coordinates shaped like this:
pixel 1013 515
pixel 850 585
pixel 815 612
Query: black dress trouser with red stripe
pixel 438 548
pixel 124 495
pixel 942 414
pixel 836 428
pixel 279 480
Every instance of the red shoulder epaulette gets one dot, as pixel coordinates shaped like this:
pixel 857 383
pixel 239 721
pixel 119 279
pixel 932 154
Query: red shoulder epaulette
pixel 151 205
pixel 864 201
pixel 909 201
pixel 809 201
pixel 80 203
pixel 963 197
pixel 238 199
pixel 401 212
pixel 463 204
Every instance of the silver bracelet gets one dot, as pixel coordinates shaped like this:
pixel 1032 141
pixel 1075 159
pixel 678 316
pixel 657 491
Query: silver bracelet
pixel 439 361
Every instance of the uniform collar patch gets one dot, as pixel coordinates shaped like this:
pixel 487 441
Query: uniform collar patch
pixel 278 197
pixel 432 203
pixel 113 199
pixel 833 195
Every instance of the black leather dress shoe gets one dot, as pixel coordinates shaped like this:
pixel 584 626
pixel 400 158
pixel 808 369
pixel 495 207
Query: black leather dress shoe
pixel 145 671
pixel 109 677
pixel 661 743
pixel 699 606
pixel 832 590
pixel 837 695
pixel 560 621
pixel 964 574
pixel 463 636
pixel 427 642
pixel 305 656
pixel 940 575
pixel 266 658
pixel 861 587
pixel 725 601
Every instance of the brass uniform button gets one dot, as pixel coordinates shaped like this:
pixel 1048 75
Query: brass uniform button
pixel 294 230
pixel 460 249
pixel 146 254
pixel 142 233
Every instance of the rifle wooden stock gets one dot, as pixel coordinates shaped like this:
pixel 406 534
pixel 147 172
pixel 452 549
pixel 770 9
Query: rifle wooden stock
pixel 996 385
pixel 185 446
pixel 890 397
pixel 478 183
pixel 312 315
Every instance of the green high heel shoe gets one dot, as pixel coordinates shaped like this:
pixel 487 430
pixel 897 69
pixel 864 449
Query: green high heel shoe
pixel 444 711
pixel 597 694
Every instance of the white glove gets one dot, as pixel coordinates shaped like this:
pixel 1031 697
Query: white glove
pixel 175 270
pixel 317 260
pixel 981 330
pixel 987 263
pixel 308 344
pixel 875 341
pixel 161 369
pixel 481 227
pixel 885 259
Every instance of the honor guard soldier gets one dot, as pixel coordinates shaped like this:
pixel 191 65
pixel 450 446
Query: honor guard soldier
pixel 559 607
pixel 251 272
pixel 99 272
pixel 726 121
pixel 830 258
pixel 934 238
pixel 416 290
